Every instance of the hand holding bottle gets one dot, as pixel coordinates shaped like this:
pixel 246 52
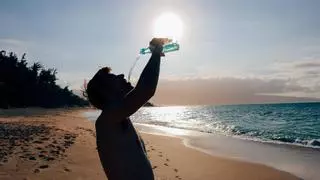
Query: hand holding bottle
pixel 156 45
pixel 167 46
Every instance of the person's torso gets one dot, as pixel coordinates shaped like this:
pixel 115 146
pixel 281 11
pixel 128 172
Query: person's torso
pixel 121 152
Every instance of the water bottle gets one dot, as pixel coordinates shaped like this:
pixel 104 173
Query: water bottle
pixel 168 47
pixel 172 46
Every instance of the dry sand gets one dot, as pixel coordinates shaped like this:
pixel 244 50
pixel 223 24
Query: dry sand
pixel 60 144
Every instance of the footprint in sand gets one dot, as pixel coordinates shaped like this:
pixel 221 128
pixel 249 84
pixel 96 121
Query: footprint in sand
pixel 166 164
pixel 66 169
pixel 154 167
pixel 38 142
pixel 167 160
pixel 175 170
pixel 32 158
pixel 43 166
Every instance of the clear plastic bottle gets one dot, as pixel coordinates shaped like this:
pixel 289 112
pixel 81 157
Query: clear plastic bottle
pixel 173 46
pixel 168 47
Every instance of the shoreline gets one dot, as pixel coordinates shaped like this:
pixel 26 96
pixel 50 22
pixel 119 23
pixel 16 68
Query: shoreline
pixel 312 143
pixel 299 161
pixel 184 160
pixel 170 158
pixel 256 140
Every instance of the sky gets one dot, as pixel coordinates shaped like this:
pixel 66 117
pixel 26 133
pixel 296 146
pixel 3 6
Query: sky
pixel 232 51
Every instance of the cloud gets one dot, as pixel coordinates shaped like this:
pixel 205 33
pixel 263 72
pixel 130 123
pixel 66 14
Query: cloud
pixel 281 82
pixel 229 90
pixel 302 73
pixel 308 64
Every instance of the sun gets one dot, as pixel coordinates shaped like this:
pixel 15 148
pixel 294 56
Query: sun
pixel 168 25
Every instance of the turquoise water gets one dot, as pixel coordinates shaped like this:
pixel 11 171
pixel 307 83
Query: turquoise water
pixel 293 123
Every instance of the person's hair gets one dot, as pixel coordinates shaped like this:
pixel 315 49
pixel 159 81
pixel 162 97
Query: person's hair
pixel 96 86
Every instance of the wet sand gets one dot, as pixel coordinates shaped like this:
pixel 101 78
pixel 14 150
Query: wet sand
pixel 60 144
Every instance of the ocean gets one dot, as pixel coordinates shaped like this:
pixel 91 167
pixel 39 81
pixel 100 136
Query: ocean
pixel 294 123
pixel 284 136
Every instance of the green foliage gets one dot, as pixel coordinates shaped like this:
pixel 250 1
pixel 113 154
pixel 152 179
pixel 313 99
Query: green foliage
pixel 24 86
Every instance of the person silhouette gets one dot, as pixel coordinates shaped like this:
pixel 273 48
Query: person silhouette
pixel 120 148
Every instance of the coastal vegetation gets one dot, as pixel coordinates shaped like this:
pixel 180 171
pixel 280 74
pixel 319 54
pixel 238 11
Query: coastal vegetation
pixel 23 85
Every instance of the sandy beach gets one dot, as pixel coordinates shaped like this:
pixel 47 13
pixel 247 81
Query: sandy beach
pixel 60 144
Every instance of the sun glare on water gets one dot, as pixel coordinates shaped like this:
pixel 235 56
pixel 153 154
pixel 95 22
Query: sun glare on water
pixel 168 25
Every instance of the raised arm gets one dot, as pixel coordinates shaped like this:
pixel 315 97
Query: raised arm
pixel 143 91
pixel 148 80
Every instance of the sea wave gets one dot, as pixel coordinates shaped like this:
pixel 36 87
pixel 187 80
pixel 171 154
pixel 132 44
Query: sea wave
pixel 313 143
pixel 246 135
